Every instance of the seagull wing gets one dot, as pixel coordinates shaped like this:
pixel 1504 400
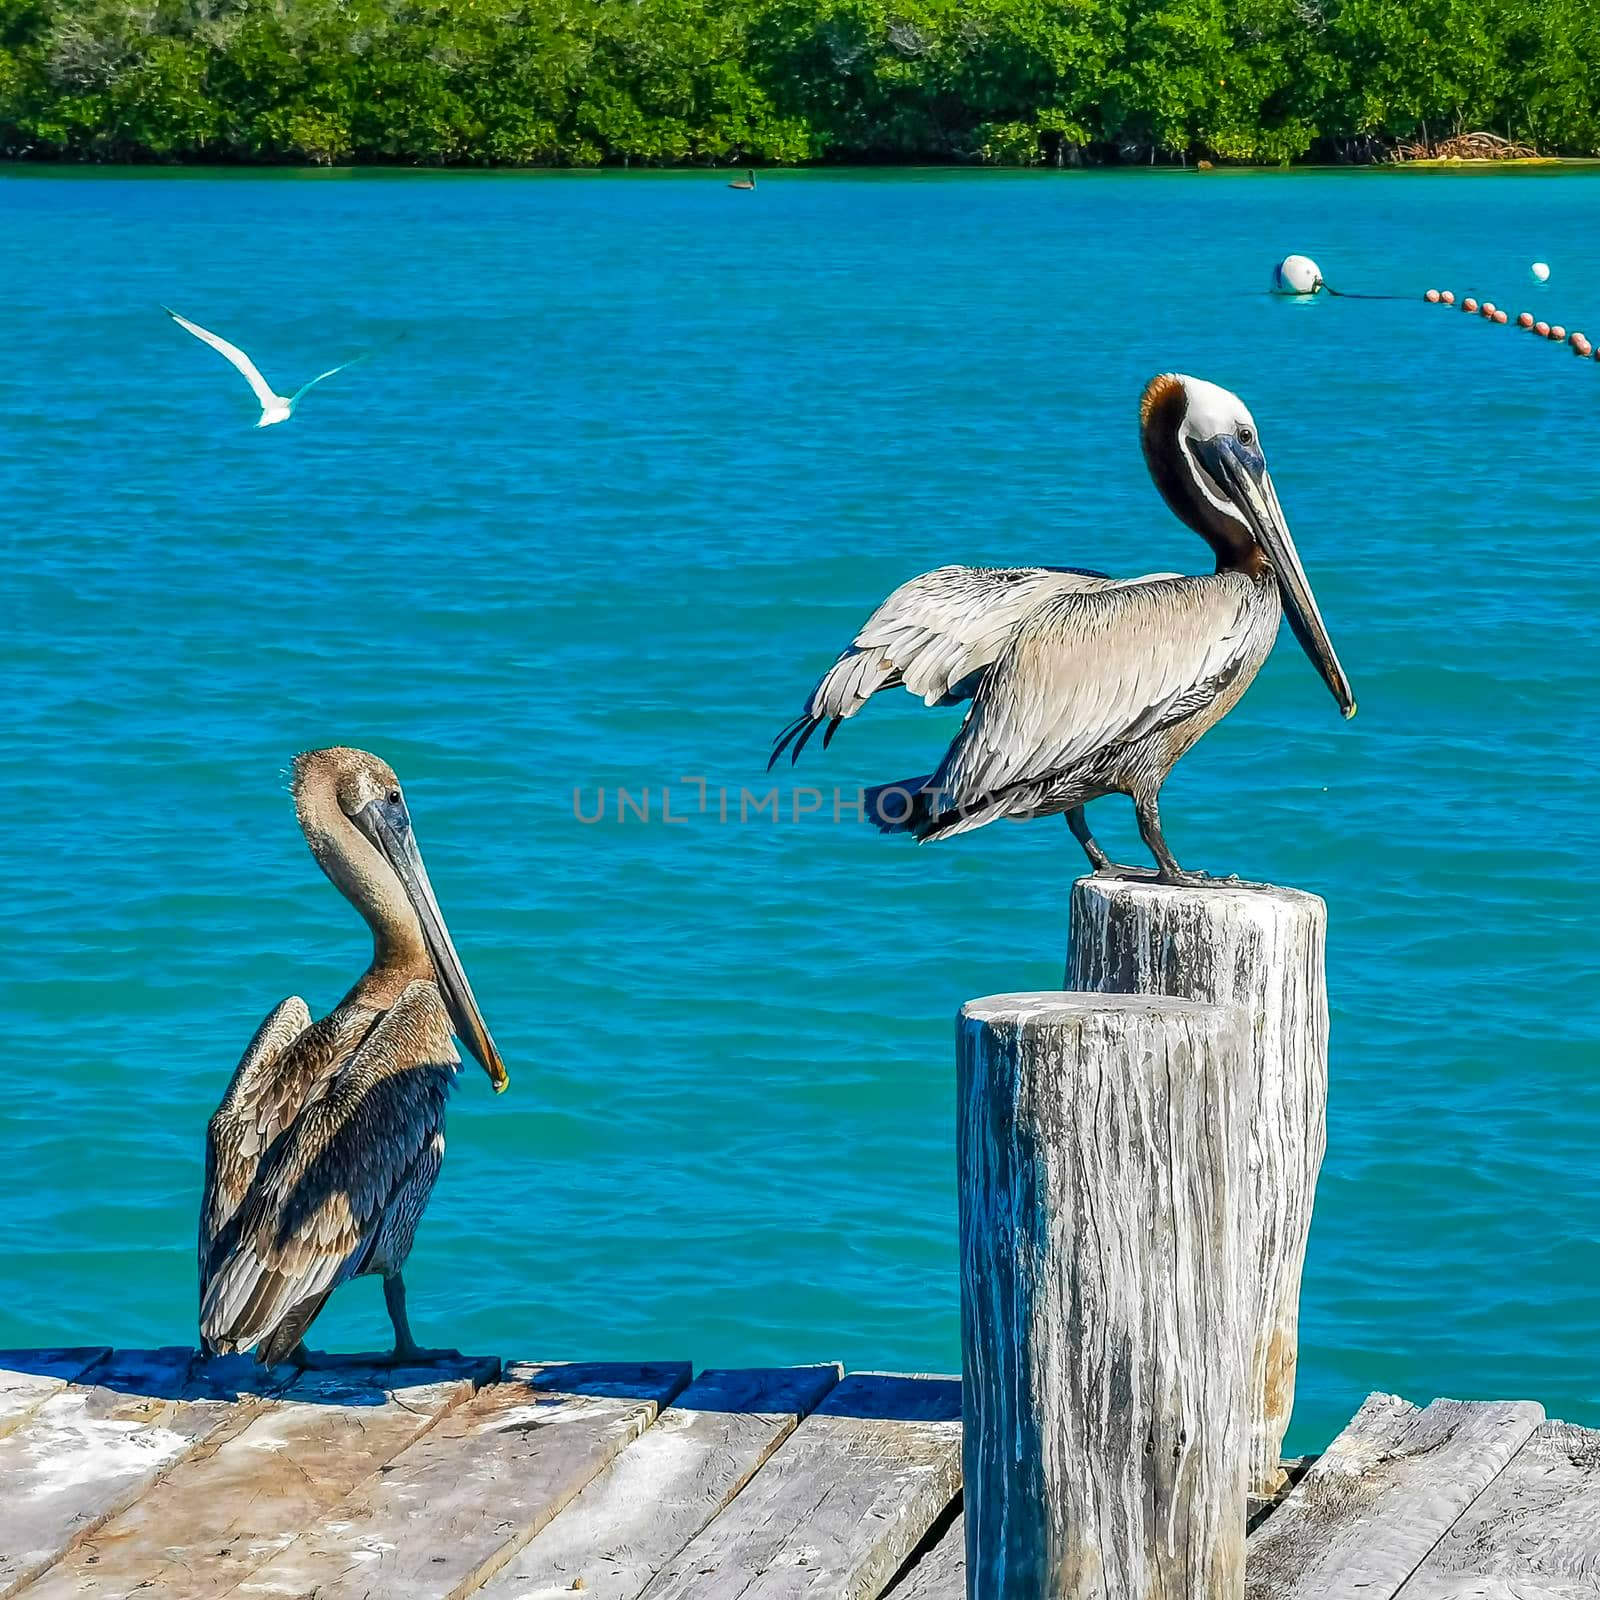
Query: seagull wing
pixel 233 354
pixel 934 636
pixel 1089 670
pixel 306 388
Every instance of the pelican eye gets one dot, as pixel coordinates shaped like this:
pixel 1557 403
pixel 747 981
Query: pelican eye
pixel 394 797
pixel 1247 436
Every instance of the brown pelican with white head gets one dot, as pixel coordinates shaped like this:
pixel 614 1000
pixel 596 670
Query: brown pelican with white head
pixel 1082 685
pixel 325 1148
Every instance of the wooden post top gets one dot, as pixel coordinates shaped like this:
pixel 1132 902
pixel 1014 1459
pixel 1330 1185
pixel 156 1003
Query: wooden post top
pixel 1060 1005
pixel 1233 895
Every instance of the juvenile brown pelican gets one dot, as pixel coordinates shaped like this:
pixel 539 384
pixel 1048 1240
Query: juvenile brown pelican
pixel 325 1148
pixel 1082 686
pixel 748 181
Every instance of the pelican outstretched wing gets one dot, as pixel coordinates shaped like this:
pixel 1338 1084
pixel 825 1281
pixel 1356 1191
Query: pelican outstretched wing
pixel 935 636
pixel 318 1205
pixel 1086 671
pixel 250 372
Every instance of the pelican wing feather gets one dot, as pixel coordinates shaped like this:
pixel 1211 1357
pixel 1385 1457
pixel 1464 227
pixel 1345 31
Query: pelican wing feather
pixel 268 1087
pixel 1087 671
pixel 935 636
pixel 318 1206
pixel 233 354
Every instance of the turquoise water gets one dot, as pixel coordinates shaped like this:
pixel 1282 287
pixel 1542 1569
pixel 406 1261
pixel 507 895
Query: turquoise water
pixel 647 455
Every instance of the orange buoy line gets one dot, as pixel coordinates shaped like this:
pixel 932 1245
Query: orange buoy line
pixel 1579 343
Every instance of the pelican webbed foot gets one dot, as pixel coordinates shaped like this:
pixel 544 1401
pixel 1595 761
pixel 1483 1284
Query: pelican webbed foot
pixel 1195 880
pixel 415 1355
pixel 328 1361
pixel 408 1355
pixel 1149 815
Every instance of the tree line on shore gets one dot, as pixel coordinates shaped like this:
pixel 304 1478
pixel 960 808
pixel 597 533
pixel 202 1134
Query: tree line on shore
pixel 669 82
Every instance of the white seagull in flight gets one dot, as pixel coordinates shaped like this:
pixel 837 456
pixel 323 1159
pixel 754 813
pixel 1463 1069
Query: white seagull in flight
pixel 274 407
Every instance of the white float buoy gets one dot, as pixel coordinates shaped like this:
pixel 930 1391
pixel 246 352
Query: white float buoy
pixel 1540 271
pixel 1296 275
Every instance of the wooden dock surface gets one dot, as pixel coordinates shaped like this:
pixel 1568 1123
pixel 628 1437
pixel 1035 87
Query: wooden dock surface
pixel 126 1474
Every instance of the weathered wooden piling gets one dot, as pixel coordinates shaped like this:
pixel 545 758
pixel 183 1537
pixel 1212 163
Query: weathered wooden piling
pixel 1106 1297
pixel 1262 948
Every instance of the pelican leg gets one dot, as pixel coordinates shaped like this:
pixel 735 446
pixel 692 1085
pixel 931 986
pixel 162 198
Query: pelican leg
pixel 1079 824
pixel 1149 815
pixel 1103 865
pixel 407 1351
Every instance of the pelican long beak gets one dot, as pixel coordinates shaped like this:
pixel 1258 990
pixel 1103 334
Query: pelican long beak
pixel 1252 492
pixel 389 828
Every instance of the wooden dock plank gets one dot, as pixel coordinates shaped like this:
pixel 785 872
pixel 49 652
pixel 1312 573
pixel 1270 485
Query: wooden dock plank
pixel 89 1451
pixel 29 1377
pixel 448 1512
pixel 1508 1589
pixel 1459 1588
pixel 941 1573
pixel 1534 1531
pixel 660 1492
pixel 1382 1496
pixel 228 1508
pixel 840 1506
